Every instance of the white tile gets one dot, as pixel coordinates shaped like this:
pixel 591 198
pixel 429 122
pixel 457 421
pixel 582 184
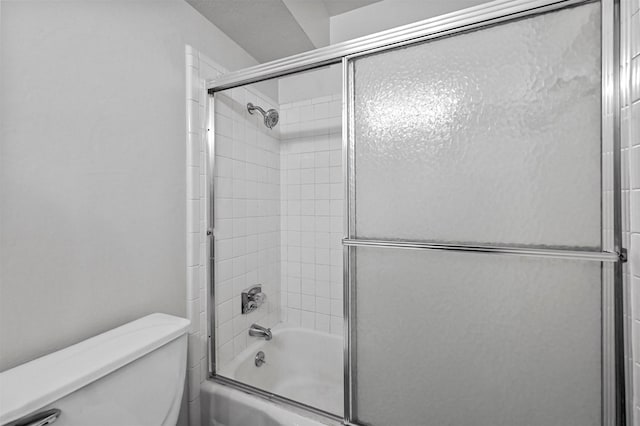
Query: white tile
pixel 193 183
pixel 635 298
pixel 322 208
pixel 634 164
pixel 337 308
pixel 193 350
pixel 322 175
pixel 308 270
pixel 323 256
pixel 225 332
pixel 335 174
pixel 323 305
pixel 193 315
pixel 293 316
pixel 193 150
pixel 635 35
pixel 323 288
pixel 336 191
pixel 194 412
pixel 193 117
pixel 321 110
pixel 193 249
pixel 307 319
pixel 307 160
pixel 322 224
pixel 224 311
pixel 321 159
pixel 322 240
pixel 294 300
pixel 294 284
pixel 307 239
pixel 634 255
pixel 335 158
pixel 193 284
pixel 308 302
pixel 635 210
pixel 224 291
pixel 239 343
pixel 337 326
pixel 337 290
pixel 323 191
pixel 323 322
pixel 193 215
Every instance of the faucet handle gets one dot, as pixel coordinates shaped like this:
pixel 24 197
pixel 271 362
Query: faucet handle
pixel 260 298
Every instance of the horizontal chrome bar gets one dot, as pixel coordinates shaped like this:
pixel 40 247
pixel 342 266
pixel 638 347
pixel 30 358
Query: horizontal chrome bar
pixel 462 20
pixel 600 256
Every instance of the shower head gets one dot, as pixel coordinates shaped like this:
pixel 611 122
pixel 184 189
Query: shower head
pixel 270 117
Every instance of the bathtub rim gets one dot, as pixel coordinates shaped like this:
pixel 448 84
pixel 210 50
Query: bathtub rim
pixel 283 402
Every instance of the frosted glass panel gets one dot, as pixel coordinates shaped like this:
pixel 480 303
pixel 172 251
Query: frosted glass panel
pixel 477 340
pixel 488 137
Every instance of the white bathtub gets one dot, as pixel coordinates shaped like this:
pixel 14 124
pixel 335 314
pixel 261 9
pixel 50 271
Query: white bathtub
pixel 303 365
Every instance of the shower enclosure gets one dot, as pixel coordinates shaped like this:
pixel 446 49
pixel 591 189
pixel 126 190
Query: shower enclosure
pixel 457 231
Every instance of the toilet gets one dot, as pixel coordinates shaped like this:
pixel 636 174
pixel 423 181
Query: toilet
pixel 131 375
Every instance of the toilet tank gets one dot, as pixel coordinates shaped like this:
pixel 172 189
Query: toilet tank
pixel 131 375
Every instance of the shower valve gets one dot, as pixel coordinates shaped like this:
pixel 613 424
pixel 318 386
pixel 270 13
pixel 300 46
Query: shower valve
pixel 252 298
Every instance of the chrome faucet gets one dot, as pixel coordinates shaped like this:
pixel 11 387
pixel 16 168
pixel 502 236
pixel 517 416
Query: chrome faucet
pixel 259 331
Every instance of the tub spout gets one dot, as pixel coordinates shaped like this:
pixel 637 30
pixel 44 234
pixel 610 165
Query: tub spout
pixel 259 331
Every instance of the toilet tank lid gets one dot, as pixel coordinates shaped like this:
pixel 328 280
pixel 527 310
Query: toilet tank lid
pixel 35 384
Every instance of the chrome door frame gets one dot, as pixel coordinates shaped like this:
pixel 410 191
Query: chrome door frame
pixel 615 376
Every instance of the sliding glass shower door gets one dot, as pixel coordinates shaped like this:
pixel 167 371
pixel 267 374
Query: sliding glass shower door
pixel 479 259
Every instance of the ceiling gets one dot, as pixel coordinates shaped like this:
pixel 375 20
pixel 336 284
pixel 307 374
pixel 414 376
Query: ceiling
pixel 273 29
pixel 337 7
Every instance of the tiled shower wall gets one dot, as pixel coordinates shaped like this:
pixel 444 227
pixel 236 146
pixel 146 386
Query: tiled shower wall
pixel 247 218
pixel 312 210
pixel 630 138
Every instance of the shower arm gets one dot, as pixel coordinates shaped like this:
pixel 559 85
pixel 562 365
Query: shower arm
pixel 251 107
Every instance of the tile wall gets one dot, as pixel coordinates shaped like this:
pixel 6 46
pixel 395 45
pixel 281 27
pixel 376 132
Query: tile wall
pixel 630 141
pixel 312 210
pixel 247 218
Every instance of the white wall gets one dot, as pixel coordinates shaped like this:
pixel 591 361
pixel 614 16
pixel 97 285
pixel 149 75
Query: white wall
pixel 316 83
pixel 389 14
pixel 92 167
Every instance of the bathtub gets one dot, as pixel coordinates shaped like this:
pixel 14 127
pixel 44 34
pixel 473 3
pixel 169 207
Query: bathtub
pixel 302 365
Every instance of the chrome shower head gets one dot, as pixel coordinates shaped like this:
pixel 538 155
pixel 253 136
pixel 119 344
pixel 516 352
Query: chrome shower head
pixel 271 116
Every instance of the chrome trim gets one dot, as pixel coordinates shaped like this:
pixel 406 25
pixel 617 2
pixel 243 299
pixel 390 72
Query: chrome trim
pixel 451 23
pixel 290 404
pixel 611 98
pixel 210 193
pixel 599 256
pixel 348 226
pixel 608 360
pixel 616 377
pixel 41 418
